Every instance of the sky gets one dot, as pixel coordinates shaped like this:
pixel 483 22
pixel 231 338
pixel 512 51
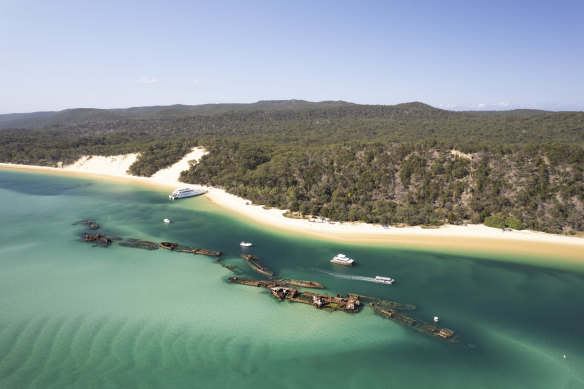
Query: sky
pixel 455 55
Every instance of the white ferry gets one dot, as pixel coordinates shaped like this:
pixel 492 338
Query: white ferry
pixel 245 244
pixel 185 192
pixel 384 280
pixel 342 259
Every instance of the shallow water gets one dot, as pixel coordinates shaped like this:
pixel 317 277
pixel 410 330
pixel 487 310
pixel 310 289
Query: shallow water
pixel 73 315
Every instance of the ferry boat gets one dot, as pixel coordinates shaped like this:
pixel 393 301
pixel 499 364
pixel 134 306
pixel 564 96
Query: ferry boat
pixel 342 259
pixel 245 244
pixel 185 192
pixel 384 280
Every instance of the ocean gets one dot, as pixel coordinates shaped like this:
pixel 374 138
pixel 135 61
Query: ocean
pixel 75 315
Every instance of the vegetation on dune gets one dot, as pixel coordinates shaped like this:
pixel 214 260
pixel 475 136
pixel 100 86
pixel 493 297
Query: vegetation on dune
pixel 414 184
pixel 161 154
pixel 409 163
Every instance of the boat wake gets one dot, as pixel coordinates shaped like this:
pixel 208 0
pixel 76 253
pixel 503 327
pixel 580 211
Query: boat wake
pixel 344 276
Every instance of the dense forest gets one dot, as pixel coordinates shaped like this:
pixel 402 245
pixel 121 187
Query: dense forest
pixel 404 164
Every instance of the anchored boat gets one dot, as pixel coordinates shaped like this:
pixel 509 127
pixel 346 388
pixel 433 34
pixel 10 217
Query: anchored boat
pixel 342 259
pixel 186 192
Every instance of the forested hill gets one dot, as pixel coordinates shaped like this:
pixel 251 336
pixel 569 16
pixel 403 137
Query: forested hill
pixel 300 122
pixel 83 115
pixel 407 163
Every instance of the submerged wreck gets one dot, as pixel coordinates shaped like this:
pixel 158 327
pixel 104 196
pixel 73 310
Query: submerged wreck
pixel 197 251
pixel 303 284
pixel 211 253
pixel 287 289
pixel 418 325
pixel 168 245
pixel 89 223
pixel 139 244
pixel 189 250
pixel 98 239
pixel 388 309
pixel 256 265
pixel 283 291
pixel 106 241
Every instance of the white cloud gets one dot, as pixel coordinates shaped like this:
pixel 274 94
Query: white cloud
pixel 146 80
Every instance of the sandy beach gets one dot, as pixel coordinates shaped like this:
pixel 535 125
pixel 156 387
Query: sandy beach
pixel 450 238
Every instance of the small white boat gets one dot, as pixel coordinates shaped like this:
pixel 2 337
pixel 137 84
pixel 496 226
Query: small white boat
pixel 245 244
pixel 167 220
pixel 436 319
pixel 342 259
pixel 384 280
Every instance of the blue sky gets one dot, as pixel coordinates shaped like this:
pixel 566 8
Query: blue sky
pixel 450 54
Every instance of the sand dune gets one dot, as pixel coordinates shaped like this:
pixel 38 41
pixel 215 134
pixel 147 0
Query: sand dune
pixel 171 174
pixel 117 165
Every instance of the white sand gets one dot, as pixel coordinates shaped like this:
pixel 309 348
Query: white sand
pixel 117 165
pixel 463 238
pixel 171 174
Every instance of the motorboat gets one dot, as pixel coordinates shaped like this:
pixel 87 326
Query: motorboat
pixel 246 244
pixel 384 280
pixel 167 220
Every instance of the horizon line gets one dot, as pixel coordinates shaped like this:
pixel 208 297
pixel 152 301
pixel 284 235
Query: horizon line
pixel 481 107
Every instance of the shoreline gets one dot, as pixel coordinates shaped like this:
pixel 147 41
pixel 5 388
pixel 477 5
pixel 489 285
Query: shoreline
pixel 451 238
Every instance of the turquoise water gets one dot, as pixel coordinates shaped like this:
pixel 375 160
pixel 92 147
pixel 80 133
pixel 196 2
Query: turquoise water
pixel 73 315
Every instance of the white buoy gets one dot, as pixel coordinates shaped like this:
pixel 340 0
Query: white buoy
pixel 436 320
